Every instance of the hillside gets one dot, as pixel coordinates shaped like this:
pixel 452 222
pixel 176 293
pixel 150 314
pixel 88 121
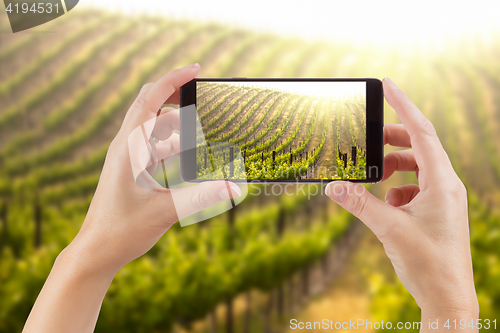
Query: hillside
pixel 64 97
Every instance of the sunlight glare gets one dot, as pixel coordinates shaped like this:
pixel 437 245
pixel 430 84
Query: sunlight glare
pixel 358 22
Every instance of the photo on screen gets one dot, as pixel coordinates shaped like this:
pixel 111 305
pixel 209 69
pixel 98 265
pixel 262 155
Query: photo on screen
pixel 284 130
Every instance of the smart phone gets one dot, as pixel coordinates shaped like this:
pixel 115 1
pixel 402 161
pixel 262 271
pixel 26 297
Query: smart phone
pixel 282 130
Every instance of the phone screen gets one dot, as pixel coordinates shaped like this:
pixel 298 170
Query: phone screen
pixel 285 130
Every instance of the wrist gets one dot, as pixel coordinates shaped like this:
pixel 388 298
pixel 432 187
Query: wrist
pixel 85 262
pixel 71 296
pixel 462 302
pixel 447 317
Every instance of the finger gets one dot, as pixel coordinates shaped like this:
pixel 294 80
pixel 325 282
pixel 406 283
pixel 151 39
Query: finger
pixel 167 122
pixel 167 148
pixel 162 91
pixel 400 196
pixel 190 200
pixel 140 96
pixel 431 158
pixel 165 110
pixel 362 204
pixel 144 89
pixel 141 149
pixel 403 160
pixel 396 135
pixel 162 150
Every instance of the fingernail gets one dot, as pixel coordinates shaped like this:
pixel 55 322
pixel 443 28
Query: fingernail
pixel 389 81
pixel 235 192
pixel 192 66
pixel 336 192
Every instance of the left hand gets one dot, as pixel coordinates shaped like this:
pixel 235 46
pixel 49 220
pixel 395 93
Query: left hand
pixel 124 220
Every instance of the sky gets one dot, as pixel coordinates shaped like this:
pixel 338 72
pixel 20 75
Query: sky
pixel 375 22
pixel 319 89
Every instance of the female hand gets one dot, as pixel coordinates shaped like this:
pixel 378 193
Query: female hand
pixel 423 228
pixel 124 220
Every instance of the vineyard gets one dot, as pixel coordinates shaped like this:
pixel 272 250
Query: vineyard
pixel 64 97
pixel 281 135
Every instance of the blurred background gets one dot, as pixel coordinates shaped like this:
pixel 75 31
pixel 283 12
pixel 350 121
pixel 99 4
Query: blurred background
pixel 66 85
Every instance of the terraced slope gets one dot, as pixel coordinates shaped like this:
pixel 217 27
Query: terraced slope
pixel 58 118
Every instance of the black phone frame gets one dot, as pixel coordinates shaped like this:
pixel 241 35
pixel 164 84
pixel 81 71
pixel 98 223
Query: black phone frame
pixel 374 128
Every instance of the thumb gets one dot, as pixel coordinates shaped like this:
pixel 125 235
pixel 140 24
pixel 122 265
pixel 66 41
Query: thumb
pixel 365 206
pixel 192 199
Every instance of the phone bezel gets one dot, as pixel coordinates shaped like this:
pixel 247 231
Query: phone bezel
pixel 374 128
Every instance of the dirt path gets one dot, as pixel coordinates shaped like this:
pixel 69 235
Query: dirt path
pixel 213 63
pixel 184 53
pixel 249 57
pixel 284 62
pixel 475 151
pixel 301 135
pixel 219 113
pixel 358 126
pixel 348 297
pixel 490 88
pixel 43 41
pixel 272 104
pixel 327 159
pixel 345 129
pixel 44 73
pixel 86 111
pixel 88 73
pixel 271 116
pixel 291 111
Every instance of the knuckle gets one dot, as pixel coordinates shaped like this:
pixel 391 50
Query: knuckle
pixel 458 189
pixel 427 128
pixel 391 232
pixel 200 201
pixel 463 189
pixel 453 191
pixel 356 204
pixel 146 87
pixel 116 148
pixel 113 146
pixel 397 159
pixel 141 101
pixel 173 73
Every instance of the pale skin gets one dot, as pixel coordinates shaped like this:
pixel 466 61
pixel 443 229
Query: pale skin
pixel 423 228
pixel 125 221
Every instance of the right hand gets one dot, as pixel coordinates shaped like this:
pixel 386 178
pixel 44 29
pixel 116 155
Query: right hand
pixel 423 228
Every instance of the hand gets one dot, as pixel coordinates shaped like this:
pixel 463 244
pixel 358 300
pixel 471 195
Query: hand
pixel 423 228
pixel 124 220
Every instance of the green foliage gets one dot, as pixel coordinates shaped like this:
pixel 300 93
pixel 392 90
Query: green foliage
pixel 44 155
pixel 241 120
